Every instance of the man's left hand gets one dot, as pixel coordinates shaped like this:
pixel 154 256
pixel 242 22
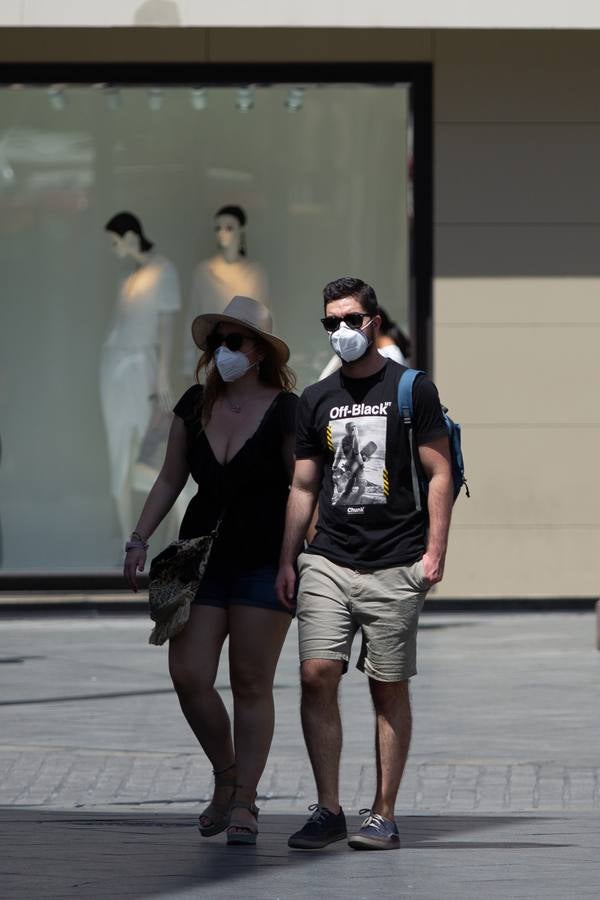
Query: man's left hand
pixel 433 567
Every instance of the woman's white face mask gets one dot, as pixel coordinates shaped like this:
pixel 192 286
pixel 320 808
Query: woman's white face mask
pixel 232 364
pixel 350 343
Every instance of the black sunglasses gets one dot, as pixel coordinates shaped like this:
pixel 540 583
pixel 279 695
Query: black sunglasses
pixel 353 320
pixel 232 341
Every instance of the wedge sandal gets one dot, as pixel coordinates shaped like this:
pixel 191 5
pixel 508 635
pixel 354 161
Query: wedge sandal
pixel 218 814
pixel 239 833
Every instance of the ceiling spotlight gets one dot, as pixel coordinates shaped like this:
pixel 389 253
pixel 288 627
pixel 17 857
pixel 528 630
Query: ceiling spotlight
pixel 155 99
pixel 112 97
pixel 57 98
pixel 294 100
pixel 199 98
pixel 244 99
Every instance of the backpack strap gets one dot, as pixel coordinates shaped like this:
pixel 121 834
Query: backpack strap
pixel 405 406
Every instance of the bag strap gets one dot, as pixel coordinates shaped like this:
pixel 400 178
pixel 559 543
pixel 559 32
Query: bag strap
pixel 405 406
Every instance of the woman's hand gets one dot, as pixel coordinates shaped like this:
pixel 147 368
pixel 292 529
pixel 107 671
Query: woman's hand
pixel 135 560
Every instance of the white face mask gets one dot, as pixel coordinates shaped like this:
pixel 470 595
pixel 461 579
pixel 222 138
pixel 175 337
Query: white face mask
pixel 349 343
pixel 232 364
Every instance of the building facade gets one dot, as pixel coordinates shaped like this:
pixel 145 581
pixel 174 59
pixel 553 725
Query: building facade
pixel 515 121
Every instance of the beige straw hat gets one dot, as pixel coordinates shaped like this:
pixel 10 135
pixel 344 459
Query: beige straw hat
pixel 241 311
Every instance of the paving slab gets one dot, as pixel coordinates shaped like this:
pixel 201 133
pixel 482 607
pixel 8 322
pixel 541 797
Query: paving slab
pixel 101 780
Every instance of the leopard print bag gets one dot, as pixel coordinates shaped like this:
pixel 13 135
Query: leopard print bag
pixel 175 576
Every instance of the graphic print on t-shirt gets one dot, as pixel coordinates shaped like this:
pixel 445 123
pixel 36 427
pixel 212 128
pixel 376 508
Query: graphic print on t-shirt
pixel 358 470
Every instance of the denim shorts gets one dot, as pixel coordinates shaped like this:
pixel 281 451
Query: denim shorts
pixel 223 586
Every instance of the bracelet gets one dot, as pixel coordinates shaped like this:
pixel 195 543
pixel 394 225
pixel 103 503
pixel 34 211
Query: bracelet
pixel 136 534
pixel 136 545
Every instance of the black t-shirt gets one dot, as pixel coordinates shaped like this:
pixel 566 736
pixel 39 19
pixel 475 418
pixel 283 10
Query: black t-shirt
pixel 367 515
pixel 251 490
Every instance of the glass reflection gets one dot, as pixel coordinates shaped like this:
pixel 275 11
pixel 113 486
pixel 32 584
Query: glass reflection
pixel 319 175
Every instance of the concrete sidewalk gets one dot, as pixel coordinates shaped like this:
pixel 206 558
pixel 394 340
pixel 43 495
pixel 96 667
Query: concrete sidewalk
pixel 101 781
pixel 54 855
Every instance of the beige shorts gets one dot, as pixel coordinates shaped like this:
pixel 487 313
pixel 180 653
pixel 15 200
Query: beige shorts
pixel 335 601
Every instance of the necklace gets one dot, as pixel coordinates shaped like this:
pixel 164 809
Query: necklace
pixel 233 405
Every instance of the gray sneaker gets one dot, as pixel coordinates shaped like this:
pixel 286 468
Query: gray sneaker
pixel 376 833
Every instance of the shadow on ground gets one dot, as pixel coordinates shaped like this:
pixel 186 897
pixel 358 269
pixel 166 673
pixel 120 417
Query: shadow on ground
pixel 56 854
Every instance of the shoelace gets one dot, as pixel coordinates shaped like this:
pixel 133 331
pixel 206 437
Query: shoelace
pixel 319 813
pixel 373 820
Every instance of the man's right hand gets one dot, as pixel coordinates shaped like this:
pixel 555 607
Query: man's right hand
pixel 285 585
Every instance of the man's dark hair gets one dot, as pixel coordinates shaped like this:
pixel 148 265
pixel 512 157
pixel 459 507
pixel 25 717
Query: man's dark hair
pixel 126 221
pixel 351 287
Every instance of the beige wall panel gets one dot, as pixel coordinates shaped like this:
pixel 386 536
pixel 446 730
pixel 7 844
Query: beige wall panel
pixel 11 12
pixel 377 13
pixel 521 476
pixel 517 173
pixel 103 45
pixel 522 562
pixel 471 365
pixel 511 251
pixel 318 45
pixel 519 300
pixel 517 76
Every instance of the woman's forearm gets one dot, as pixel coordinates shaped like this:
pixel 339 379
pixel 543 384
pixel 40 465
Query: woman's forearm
pixel 158 503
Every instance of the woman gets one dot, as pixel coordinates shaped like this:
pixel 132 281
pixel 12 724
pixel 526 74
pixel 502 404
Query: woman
pixel 235 436
pixel 391 340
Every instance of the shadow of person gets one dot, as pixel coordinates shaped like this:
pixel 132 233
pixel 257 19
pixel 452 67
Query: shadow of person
pixel 156 853
pixel 158 12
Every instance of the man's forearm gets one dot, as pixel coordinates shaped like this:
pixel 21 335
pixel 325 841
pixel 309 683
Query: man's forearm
pixel 439 506
pixel 300 508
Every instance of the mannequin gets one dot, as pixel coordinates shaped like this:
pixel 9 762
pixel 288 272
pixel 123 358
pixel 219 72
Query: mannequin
pixel 136 357
pixel 226 274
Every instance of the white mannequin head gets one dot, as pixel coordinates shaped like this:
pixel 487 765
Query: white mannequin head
pixel 127 245
pixel 229 231
pixel 127 236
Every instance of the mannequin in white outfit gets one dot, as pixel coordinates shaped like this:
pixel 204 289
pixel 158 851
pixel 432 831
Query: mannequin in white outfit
pixel 226 274
pixel 136 355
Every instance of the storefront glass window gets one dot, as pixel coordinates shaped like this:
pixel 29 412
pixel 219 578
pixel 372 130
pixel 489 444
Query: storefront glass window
pixel 318 179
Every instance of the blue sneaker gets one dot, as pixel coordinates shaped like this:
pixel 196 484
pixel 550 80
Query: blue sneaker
pixel 322 828
pixel 376 833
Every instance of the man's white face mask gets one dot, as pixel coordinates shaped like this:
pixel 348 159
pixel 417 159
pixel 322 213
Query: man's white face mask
pixel 350 343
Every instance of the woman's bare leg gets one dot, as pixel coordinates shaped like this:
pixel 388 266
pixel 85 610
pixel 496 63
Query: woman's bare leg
pixel 193 662
pixel 256 637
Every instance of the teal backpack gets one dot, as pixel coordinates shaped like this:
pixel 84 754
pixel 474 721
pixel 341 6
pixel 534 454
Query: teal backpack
pixel 405 405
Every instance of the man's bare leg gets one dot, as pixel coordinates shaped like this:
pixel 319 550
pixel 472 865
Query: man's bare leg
pixel 322 726
pixel 392 740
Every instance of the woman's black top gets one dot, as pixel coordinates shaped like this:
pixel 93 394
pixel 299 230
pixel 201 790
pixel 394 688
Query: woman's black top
pixel 250 490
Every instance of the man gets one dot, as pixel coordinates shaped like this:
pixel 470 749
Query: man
pixel 372 558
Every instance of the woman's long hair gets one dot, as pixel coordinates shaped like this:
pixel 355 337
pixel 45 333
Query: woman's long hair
pixel 390 329
pixel 270 371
